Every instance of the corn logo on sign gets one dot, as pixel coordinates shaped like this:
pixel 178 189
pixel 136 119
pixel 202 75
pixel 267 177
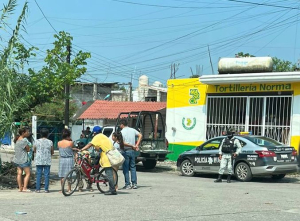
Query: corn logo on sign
pixel 195 96
pixel 188 123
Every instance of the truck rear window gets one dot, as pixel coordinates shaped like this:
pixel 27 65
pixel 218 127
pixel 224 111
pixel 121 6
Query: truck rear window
pixel 107 131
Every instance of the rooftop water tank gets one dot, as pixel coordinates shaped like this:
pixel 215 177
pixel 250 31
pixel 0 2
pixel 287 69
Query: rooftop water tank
pixel 245 65
pixel 157 84
pixel 143 80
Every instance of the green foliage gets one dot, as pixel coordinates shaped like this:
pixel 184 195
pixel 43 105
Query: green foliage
pixel 22 92
pixel 195 76
pixel 282 65
pixel 241 55
pixel 278 64
pixel 11 103
pixel 7 11
pixel 49 82
pixel 52 111
pixel 22 54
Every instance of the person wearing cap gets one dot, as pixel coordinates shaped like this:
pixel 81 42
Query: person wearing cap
pixel 230 147
pixel 103 143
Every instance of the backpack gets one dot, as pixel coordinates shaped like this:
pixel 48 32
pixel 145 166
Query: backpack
pixel 228 145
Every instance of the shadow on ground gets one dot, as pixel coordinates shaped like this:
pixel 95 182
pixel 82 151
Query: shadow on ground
pixel 157 169
pixel 266 179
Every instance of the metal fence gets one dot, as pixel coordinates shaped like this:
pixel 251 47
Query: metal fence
pixel 260 115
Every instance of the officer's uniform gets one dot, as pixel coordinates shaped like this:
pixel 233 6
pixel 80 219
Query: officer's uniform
pixel 226 150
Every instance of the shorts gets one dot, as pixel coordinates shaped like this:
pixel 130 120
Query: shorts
pixel 23 165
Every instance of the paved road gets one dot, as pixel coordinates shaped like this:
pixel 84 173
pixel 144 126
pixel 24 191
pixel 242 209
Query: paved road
pixel 163 195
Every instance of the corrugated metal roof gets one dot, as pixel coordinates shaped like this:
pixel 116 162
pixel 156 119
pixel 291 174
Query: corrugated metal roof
pixel 101 109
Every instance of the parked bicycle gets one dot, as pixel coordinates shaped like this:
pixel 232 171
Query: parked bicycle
pixel 84 170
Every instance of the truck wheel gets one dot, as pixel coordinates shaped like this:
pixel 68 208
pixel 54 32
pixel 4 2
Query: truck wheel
pixel 243 172
pixel 186 168
pixel 149 164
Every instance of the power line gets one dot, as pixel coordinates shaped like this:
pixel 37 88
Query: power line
pixel 263 4
pixel 45 16
pixel 169 6
pixel 53 27
pixel 186 35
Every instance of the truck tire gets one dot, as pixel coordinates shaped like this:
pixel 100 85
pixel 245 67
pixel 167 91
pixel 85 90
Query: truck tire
pixel 149 164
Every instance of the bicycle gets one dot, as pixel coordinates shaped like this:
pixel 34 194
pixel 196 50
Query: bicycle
pixel 92 173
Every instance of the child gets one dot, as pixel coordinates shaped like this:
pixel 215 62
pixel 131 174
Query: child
pixel 30 155
pixel 119 145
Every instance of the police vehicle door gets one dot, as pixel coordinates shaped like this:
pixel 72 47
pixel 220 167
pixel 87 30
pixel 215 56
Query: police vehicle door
pixel 208 158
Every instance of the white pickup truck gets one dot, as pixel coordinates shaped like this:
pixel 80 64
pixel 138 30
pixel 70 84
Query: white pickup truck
pixel 154 145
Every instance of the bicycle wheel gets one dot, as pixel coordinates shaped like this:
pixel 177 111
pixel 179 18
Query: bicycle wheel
pixel 103 182
pixel 70 182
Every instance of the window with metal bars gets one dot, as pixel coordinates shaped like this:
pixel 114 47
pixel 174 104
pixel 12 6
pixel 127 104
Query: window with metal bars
pixel 268 116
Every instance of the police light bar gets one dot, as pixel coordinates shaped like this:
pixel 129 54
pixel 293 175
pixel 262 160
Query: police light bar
pixel 244 133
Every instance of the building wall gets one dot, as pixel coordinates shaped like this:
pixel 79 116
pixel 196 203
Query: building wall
pixel 119 97
pixel 185 116
pixel 145 92
pixel 295 139
pixel 85 92
pixel 186 110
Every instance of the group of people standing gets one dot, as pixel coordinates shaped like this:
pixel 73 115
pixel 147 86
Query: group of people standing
pixel 124 141
pixel 24 148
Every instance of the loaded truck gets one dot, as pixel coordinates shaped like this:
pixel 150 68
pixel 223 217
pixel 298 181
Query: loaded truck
pixel 154 145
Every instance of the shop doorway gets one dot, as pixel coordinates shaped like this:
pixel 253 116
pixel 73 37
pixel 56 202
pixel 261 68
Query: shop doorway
pixel 260 115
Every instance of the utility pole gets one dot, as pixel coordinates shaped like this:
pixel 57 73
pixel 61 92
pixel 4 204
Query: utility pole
pixel 130 89
pixel 174 69
pixel 95 91
pixel 67 91
pixel 212 69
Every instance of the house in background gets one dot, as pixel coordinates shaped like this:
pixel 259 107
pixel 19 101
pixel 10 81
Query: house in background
pixel 84 92
pixel 103 113
pixel 145 92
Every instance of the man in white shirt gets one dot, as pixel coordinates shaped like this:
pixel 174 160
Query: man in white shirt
pixel 130 146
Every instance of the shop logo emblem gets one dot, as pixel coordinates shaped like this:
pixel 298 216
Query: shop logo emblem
pixel 195 96
pixel 188 123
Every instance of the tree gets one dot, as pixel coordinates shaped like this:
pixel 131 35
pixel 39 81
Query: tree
pixel 21 92
pixel 11 103
pixel 49 82
pixel 282 65
pixel 51 111
pixel 278 64
pixel 242 55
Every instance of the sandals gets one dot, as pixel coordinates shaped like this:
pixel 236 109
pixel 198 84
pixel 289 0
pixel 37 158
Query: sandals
pixel 27 191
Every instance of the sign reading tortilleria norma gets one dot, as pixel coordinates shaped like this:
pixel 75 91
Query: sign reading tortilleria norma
pixel 252 87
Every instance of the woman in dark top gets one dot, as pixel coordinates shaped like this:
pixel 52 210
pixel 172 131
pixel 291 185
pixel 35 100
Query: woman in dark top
pixel 21 159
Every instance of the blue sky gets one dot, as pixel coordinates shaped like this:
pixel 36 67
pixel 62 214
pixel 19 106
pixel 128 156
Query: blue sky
pixel 134 37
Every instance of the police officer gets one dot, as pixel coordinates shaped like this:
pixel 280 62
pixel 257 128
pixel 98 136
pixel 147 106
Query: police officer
pixel 230 147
